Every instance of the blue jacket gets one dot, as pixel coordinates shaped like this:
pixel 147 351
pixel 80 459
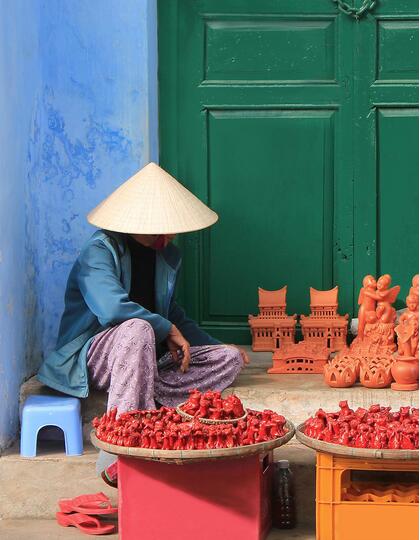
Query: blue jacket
pixel 97 297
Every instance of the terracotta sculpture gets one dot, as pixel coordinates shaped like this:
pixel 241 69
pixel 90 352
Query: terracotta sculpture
pixel 366 302
pixel 376 372
pixel 374 347
pixel 377 316
pixel 272 327
pixel 372 371
pixel 340 373
pixel 408 328
pixel 386 297
pixel 405 369
pixel 324 331
pixel 414 289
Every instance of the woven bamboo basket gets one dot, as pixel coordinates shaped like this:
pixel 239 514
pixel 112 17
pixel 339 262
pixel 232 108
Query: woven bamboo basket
pixel 180 457
pixel 347 451
pixel 209 420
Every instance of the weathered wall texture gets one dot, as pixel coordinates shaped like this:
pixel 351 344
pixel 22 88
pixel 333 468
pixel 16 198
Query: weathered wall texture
pixel 89 116
pixel 19 79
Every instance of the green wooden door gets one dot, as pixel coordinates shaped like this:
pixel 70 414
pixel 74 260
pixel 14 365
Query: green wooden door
pixel 297 123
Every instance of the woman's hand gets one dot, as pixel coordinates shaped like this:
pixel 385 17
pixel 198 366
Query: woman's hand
pixel 244 354
pixel 175 342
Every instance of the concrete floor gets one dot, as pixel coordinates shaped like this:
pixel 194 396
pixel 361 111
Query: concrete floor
pixel 43 529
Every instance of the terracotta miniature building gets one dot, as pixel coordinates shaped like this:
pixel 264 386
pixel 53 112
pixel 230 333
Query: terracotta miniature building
pixel 272 327
pixel 301 357
pixel 324 326
pixel 324 331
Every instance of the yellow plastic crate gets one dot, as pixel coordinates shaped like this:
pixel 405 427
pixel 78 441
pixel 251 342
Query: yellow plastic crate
pixel 380 518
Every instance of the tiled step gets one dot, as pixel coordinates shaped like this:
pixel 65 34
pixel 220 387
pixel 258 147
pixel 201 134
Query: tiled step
pixel 38 529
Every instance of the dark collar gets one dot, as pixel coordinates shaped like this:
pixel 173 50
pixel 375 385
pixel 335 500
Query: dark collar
pixel 170 254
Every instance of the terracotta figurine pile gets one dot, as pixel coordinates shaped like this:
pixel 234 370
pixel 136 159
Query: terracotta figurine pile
pixel 372 356
pixel 377 427
pixel 165 429
pixel 212 406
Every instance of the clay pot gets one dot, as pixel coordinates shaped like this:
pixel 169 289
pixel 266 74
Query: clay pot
pixel 375 374
pixel 339 374
pixel 405 371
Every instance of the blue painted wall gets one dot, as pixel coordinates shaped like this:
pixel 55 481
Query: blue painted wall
pixel 19 78
pixel 89 112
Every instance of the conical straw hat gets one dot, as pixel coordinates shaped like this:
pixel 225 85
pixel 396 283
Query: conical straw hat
pixel 152 202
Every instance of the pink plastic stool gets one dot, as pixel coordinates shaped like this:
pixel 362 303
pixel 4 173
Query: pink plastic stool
pixel 210 500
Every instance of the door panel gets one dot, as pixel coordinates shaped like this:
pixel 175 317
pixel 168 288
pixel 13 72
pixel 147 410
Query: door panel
pixel 269 231
pixel 398 44
pixel 239 48
pixel 398 144
pixel 285 117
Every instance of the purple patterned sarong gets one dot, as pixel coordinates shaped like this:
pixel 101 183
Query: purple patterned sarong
pixel 122 360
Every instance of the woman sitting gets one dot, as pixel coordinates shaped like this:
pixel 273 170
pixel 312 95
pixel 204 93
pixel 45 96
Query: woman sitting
pixel 121 330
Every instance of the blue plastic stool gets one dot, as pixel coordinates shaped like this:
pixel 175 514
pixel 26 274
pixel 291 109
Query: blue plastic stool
pixel 42 411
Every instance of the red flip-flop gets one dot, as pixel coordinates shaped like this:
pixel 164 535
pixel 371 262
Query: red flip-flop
pixel 85 524
pixel 94 503
pixel 110 475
